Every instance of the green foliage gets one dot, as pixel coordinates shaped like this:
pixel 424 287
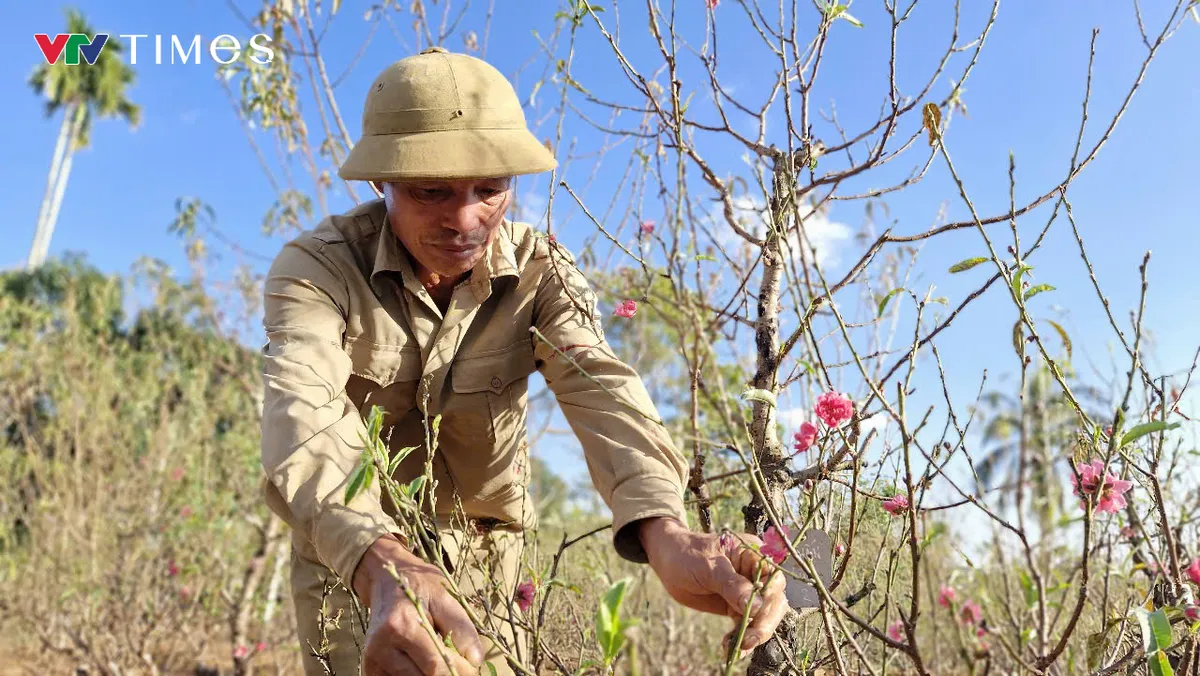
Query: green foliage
pixel 611 628
pixel 1139 431
pixel 969 263
pixel 1156 638
pixel 127 448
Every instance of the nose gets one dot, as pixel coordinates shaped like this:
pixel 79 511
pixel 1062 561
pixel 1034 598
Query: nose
pixel 464 215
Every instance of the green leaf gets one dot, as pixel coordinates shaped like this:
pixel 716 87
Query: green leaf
pixel 334 9
pixel 565 585
pixel 1018 338
pixel 935 531
pixel 1016 280
pixel 1161 627
pixel 399 458
pixel 1030 590
pixel 940 300
pixel 1097 649
pixel 851 19
pixel 884 301
pixel 410 489
pixel 491 668
pixel 1159 635
pixel 762 396
pixel 1139 431
pixel 963 266
pixel 706 257
pixel 609 630
pixel 374 422
pixel 1035 290
pixel 1062 333
pixel 357 478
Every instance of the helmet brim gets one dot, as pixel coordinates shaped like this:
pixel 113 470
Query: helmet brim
pixel 447 154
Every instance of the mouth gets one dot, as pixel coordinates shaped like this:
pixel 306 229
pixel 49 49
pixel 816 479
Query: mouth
pixel 458 251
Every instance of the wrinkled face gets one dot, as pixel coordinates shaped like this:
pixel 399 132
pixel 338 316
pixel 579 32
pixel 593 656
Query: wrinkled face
pixel 447 225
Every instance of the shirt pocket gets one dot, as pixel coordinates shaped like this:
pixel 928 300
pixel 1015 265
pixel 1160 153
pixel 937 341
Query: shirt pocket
pixel 491 393
pixel 383 375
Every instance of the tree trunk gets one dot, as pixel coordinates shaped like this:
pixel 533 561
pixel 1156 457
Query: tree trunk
pixel 251 581
pixel 60 187
pixel 771 658
pixel 64 131
pixel 282 559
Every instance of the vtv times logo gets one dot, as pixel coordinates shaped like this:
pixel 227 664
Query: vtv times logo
pixel 70 47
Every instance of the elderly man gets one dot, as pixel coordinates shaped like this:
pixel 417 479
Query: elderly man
pixel 424 303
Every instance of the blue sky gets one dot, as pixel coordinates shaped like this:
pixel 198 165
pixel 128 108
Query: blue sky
pixel 1024 96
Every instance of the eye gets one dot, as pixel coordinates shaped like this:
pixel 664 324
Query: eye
pixel 429 194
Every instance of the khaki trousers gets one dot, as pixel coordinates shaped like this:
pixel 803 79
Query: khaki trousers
pixel 484 560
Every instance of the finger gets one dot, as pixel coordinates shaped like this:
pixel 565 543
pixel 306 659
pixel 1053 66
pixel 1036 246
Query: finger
pixel 732 587
pixel 745 559
pixel 763 623
pixel 430 656
pixel 388 661
pixel 451 620
pixel 705 603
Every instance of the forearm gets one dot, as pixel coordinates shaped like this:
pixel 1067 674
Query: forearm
pixel 655 531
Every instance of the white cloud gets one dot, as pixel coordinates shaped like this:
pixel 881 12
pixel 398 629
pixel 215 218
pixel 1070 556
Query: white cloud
pixel 791 418
pixel 823 234
pixel 530 208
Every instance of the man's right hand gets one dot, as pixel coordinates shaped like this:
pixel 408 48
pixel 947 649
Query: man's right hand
pixel 397 643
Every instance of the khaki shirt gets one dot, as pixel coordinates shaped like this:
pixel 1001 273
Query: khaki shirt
pixel 349 326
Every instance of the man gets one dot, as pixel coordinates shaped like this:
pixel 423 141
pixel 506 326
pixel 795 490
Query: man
pixel 425 303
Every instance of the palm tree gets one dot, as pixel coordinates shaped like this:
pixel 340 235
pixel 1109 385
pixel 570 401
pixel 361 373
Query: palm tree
pixel 1031 441
pixel 82 92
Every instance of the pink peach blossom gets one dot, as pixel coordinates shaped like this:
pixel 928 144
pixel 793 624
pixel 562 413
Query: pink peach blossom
pixel 1193 571
pixel 240 652
pixel 260 646
pixel 806 437
pixel 895 631
pixel 524 596
pixel 712 4
pixel 626 309
pixel 834 409
pixel 774 546
pixel 185 512
pixel 946 596
pixel 172 568
pixel 1095 479
pixel 647 227
pixel 839 549
pixel 177 474
pixel 970 613
pixel 895 505
pixel 1192 613
pixel 728 544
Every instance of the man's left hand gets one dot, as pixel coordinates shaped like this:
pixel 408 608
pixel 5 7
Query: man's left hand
pixel 701 574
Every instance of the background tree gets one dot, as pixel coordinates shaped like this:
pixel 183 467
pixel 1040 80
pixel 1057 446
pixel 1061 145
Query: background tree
pixel 83 93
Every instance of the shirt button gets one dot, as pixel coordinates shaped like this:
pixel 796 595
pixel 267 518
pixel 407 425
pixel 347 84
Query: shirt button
pixel 496 382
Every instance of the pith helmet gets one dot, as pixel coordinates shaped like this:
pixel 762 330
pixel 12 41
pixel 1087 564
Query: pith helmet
pixel 439 115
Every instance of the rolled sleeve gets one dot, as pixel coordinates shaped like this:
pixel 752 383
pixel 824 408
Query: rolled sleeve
pixel 311 432
pixel 631 459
